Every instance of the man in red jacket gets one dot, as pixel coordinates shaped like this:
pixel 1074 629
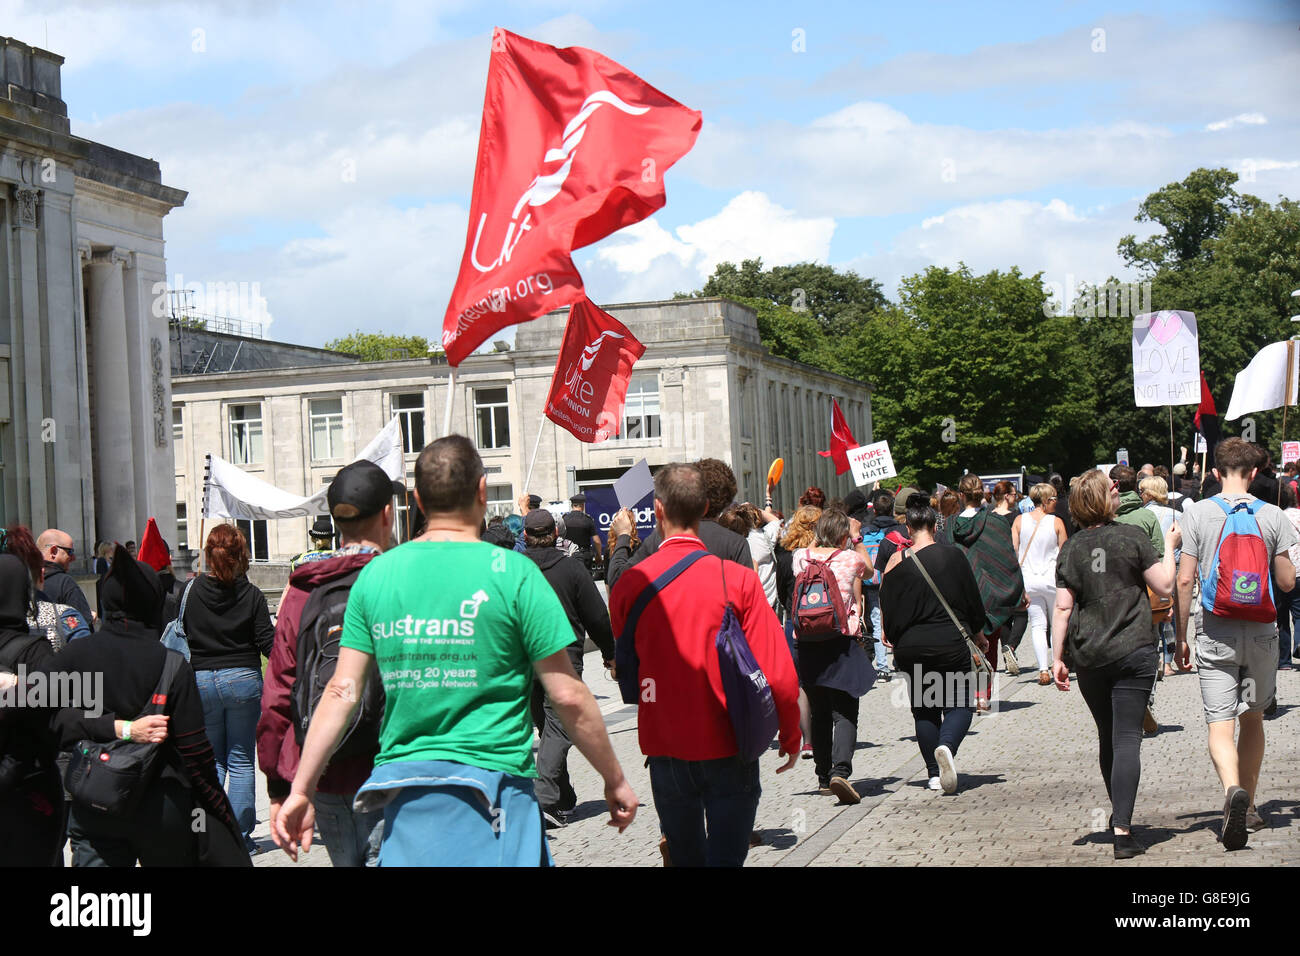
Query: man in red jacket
pixel 705 794
pixel 360 500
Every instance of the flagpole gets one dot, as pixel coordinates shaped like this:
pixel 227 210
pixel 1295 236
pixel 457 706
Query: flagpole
pixel 451 400
pixel 536 445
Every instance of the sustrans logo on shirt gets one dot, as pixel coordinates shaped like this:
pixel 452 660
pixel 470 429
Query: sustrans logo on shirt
pixel 411 626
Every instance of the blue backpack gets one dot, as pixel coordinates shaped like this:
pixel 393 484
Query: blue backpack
pixel 174 637
pixel 750 704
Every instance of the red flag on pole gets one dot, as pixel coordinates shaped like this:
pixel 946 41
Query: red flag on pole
pixel 841 440
pixel 1207 403
pixel 573 147
pixel 590 381
pixel 153 551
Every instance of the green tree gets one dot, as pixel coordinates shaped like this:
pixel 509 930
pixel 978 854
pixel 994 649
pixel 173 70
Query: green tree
pixel 380 346
pixel 1191 212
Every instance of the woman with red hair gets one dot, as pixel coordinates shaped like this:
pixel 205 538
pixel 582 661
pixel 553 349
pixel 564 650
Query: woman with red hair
pixel 228 626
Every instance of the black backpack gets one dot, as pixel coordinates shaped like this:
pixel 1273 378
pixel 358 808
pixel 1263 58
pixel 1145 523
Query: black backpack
pixel 319 631
pixel 113 777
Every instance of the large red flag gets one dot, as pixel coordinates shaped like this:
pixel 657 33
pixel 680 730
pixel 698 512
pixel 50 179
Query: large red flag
pixel 153 551
pixel 573 147
pixel 590 381
pixel 841 440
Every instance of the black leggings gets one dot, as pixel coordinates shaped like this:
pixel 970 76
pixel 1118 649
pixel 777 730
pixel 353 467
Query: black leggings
pixel 833 715
pixel 1117 694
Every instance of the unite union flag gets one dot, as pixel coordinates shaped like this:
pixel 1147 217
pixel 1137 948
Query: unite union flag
pixel 590 382
pixel 572 147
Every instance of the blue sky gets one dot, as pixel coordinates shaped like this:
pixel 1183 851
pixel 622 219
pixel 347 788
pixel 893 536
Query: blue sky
pixel 899 136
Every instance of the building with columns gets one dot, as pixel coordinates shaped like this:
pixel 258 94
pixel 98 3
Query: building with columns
pixel 705 388
pixel 85 395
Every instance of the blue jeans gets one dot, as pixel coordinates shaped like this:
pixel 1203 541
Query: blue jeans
pixel 706 808
pixel 232 704
pixel 872 598
pixel 351 838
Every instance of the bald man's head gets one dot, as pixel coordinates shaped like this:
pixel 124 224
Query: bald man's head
pixel 56 547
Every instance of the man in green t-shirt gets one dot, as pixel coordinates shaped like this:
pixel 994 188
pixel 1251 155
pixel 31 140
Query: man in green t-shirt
pixel 457 628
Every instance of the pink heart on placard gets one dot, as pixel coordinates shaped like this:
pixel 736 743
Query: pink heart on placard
pixel 1165 325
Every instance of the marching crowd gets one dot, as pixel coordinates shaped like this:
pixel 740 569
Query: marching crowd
pixel 397 713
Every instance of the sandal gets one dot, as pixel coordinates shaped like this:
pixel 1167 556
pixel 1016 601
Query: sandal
pixel 1044 678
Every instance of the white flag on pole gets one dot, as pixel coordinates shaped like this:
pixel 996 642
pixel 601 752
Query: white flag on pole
pixel 231 492
pixel 1262 385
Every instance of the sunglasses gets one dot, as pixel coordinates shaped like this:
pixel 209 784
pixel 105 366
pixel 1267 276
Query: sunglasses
pixel 72 553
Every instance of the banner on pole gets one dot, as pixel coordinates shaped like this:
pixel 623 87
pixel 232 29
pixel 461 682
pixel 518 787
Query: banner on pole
pixel 1166 359
pixel 1200 445
pixel 231 492
pixel 591 376
pixel 572 147
pixel 870 463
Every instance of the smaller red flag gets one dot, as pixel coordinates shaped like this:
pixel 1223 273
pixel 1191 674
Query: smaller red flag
pixel 1207 403
pixel 841 440
pixel 591 376
pixel 153 551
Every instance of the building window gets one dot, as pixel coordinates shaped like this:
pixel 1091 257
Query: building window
pixel 410 411
pixel 746 413
pixel 182 528
pixel 178 423
pixel 246 434
pixel 500 500
pixel 404 512
pixel 326 416
pixel 255 532
pixel 641 411
pixel 491 413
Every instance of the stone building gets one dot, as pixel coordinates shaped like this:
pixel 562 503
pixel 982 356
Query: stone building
pixel 84 378
pixel 706 387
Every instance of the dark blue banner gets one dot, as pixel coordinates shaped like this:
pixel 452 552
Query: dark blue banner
pixel 602 506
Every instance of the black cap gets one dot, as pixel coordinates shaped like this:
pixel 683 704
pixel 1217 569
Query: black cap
pixel 359 490
pixel 321 528
pixel 534 501
pixel 578 499
pixel 539 522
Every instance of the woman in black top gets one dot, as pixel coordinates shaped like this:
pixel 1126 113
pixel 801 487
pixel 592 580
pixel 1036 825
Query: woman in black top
pixel 127 652
pixel 929 650
pixel 1102 608
pixel 229 629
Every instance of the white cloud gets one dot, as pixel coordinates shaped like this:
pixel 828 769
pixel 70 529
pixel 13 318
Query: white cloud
pixel 1068 245
pixel 1241 119
pixel 750 225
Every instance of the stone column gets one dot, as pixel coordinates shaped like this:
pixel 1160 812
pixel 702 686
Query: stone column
pixel 111 431
pixel 28 369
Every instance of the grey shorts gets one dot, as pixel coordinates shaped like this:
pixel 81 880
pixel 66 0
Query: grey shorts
pixel 1238 669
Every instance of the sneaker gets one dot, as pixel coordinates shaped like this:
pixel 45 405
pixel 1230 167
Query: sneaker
pixel 1009 661
pixel 1234 818
pixel 1255 821
pixel 1149 723
pixel 934 784
pixel 947 768
pixel 844 790
pixel 806 752
pixel 555 817
pixel 823 787
pixel 885 675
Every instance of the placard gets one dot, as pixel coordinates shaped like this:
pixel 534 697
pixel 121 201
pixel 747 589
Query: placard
pixel 1166 359
pixel 1199 445
pixel 1290 451
pixel 635 484
pixel 871 463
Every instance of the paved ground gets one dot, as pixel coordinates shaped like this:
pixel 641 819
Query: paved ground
pixel 1030 791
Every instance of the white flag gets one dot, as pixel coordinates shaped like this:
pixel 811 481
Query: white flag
pixel 231 492
pixel 1262 384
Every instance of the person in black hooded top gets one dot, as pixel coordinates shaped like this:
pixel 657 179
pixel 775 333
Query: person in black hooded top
pixel 128 652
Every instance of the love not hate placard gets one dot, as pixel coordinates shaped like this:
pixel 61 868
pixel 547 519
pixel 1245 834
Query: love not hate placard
pixel 1166 359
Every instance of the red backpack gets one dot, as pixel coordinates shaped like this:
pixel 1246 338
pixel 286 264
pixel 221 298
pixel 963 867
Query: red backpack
pixel 819 613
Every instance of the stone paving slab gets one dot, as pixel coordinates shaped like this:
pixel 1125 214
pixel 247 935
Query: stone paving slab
pixel 1031 791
